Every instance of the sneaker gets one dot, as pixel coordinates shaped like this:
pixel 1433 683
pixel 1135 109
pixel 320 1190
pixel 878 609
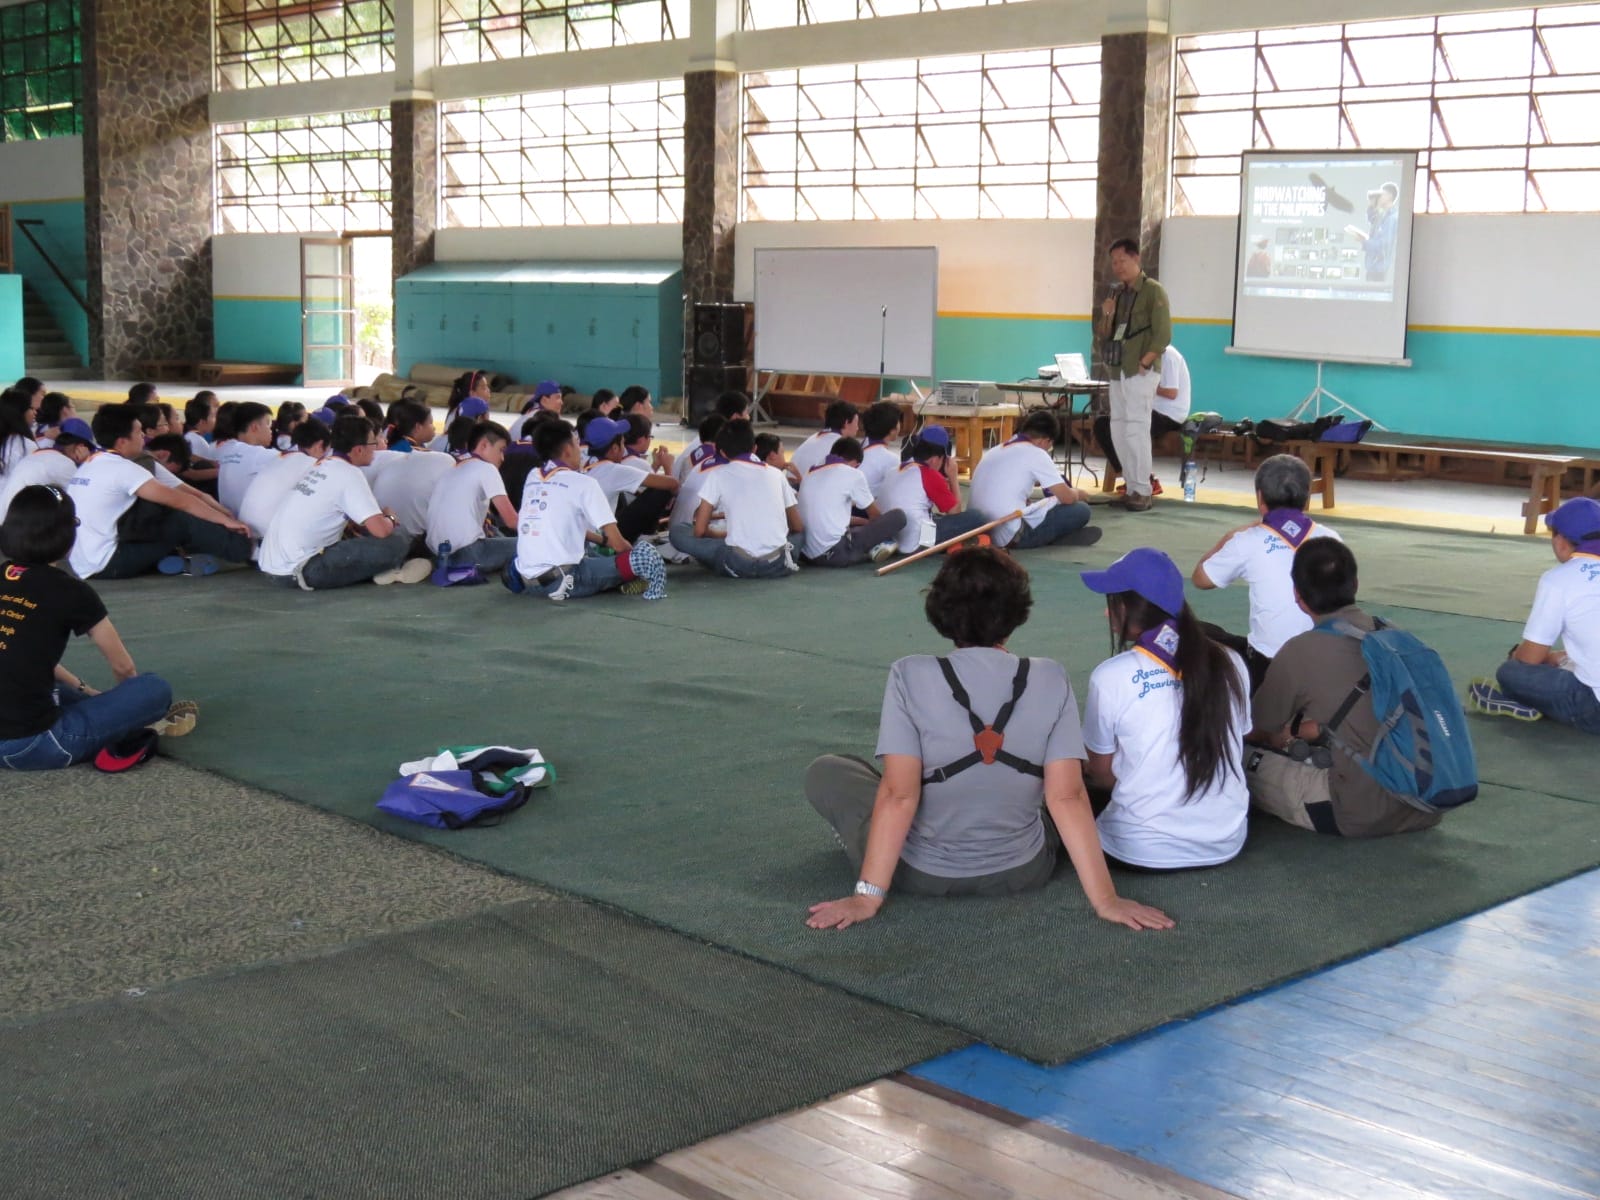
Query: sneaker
pixel 178 720
pixel 514 583
pixel 413 570
pixel 1087 536
pixel 884 551
pixel 1155 486
pixel 1484 696
pixel 789 563
pixel 1136 503
pixel 671 554
pixel 563 589
pixel 634 587
pixel 188 564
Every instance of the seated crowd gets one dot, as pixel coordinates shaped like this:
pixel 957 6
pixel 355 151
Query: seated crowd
pixel 987 772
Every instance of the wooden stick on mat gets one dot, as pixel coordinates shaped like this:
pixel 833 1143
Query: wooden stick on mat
pixel 948 542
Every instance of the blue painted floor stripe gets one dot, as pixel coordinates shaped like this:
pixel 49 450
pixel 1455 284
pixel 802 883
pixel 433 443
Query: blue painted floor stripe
pixel 1463 1063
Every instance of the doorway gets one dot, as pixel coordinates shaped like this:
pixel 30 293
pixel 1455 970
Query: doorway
pixel 346 309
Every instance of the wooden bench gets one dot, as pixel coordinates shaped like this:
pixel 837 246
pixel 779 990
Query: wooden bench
pixel 1321 457
pixel 213 371
pixel 1467 464
pixel 167 370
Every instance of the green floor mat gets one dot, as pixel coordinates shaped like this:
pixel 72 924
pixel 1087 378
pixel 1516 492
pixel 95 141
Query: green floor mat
pixel 496 1057
pixel 681 732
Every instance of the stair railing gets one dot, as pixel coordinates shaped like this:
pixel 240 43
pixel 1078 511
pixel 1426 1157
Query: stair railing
pixel 23 224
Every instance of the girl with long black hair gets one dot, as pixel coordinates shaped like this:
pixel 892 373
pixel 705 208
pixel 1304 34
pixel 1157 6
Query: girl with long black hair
pixel 1164 724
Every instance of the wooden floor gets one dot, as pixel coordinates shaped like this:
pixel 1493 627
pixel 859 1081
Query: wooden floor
pixel 903 1139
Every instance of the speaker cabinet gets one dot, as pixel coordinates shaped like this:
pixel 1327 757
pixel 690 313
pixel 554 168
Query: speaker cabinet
pixel 718 335
pixel 705 384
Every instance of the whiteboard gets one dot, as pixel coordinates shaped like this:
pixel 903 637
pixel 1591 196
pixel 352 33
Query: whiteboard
pixel 836 311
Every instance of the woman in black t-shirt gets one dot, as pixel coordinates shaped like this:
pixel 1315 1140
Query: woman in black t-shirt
pixel 48 716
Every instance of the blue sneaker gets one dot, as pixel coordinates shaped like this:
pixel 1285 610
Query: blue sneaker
pixel 192 564
pixel 173 564
pixel 1484 696
pixel 514 583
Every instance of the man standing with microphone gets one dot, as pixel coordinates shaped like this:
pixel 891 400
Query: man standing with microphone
pixel 1135 328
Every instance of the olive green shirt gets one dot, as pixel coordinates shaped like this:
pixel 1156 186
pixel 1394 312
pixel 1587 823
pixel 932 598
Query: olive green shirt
pixel 1147 315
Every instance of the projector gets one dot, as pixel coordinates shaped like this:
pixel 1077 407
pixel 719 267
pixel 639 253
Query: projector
pixel 968 393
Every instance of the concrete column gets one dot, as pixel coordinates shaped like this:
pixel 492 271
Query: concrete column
pixel 711 183
pixel 414 167
pixel 147 181
pixel 1135 135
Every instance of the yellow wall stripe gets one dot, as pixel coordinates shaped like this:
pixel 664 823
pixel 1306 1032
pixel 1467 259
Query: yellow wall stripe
pixel 1503 330
pixel 274 299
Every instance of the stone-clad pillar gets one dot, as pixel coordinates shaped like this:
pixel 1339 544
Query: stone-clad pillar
pixel 147 181
pixel 414 169
pixel 1135 124
pixel 710 183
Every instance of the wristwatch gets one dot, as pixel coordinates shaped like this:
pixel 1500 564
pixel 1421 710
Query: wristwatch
pixel 863 888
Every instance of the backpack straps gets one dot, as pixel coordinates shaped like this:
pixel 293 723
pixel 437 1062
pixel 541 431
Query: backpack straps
pixel 988 739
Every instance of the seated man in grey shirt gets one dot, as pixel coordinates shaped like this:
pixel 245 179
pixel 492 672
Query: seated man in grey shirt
pixel 976 746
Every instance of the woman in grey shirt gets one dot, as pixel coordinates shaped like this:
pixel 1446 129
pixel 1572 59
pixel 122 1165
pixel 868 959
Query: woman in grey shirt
pixel 976 745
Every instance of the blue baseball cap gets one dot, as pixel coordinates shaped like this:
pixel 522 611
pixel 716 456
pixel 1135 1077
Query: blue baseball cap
pixel 1146 571
pixel 1577 520
pixel 472 406
pixel 79 429
pixel 546 387
pixel 327 416
pixel 934 435
pixel 602 431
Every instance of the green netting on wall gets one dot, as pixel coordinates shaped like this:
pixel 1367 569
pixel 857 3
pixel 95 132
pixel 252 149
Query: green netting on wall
pixel 41 70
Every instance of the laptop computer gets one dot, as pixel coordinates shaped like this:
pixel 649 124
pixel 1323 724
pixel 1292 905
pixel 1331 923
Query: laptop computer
pixel 1072 368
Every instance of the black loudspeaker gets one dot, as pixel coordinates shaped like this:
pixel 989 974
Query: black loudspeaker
pixel 718 335
pixel 705 384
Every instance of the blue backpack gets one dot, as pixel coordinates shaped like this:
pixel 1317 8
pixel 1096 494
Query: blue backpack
pixel 452 799
pixel 1422 751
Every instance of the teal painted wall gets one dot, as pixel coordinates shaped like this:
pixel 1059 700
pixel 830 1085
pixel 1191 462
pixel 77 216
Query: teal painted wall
pixel 62 235
pixel 11 361
pixel 254 330
pixel 1507 387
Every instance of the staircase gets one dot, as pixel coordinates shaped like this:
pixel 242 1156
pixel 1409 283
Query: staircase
pixel 48 354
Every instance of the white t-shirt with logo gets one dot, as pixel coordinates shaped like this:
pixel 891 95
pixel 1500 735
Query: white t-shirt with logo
pixel 460 502
pixel 1003 481
pixel 313 515
pixel 906 491
pixel 1174 374
pixel 560 507
pixel 619 479
pixel 688 497
pixel 1132 713
pixel 49 468
pixel 878 463
pixel 812 451
pixel 826 500
pixel 405 485
pixel 268 489
pixel 1263 560
pixel 755 500
pixel 1566 608
pixel 238 463
pixel 102 489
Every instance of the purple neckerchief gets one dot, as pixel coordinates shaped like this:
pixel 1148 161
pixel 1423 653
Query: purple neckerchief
pixel 1292 525
pixel 633 453
pixel 833 460
pixel 1591 546
pixel 700 453
pixel 722 460
pixel 1161 644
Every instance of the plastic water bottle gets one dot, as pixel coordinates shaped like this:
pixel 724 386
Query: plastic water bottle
pixel 1188 481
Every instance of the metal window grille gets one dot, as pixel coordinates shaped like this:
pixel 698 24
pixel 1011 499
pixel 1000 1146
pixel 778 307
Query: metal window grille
pixel 474 31
pixel 264 43
pixel 785 14
pixel 320 174
pixel 1504 107
pixel 1013 135
pixel 41 70
pixel 588 156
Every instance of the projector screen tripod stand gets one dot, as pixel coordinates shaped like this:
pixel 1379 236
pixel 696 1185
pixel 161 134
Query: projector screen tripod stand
pixel 1321 403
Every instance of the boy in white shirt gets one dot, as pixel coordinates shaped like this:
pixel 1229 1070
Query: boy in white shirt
pixel 546 397
pixel 731 406
pixel 51 467
pixel 762 527
pixel 839 419
pixel 1261 554
pixel 1537 679
pixel 305 545
pixel 405 484
pixel 269 489
pixel 462 500
pixel 563 512
pixel 243 456
pixel 1004 480
pixel 834 535
pixel 639 496
pixel 925 489
pixel 880 455
pixel 690 470
pixel 117 538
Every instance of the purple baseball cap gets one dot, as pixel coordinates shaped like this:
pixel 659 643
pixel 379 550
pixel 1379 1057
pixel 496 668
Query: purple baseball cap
pixel 78 429
pixel 934 435
pixel 602 431
pixel 472 406
pixel 546 387
pixel 1145 571
pixel 1577 520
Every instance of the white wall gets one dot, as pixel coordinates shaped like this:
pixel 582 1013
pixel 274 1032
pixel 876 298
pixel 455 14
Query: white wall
pixel 993 267
pixel 654 243
pixel 1483 271
pixel 49 169
pixel 264 265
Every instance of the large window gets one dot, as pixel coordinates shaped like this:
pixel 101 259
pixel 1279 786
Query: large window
pixel 472 31
pixel 41 70
pixel 783 14
pixel 1012 135
pixel 262 43
pixel 323 174
pixel 591 156
pixel 1504 106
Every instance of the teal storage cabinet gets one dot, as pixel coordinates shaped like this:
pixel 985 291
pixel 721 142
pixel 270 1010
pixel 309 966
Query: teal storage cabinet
pixel 12 355
pixel 587 324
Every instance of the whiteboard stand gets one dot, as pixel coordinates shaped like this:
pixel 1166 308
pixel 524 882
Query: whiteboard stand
pixel 1312 406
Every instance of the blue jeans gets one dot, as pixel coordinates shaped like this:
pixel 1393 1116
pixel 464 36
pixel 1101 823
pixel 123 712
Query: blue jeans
pixel 352 560
pixel 595 573
pixel 86 723
pixel 488 554
pixel 1559 695
pixel 1060 521
pixel 716 555
pixel 955 524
